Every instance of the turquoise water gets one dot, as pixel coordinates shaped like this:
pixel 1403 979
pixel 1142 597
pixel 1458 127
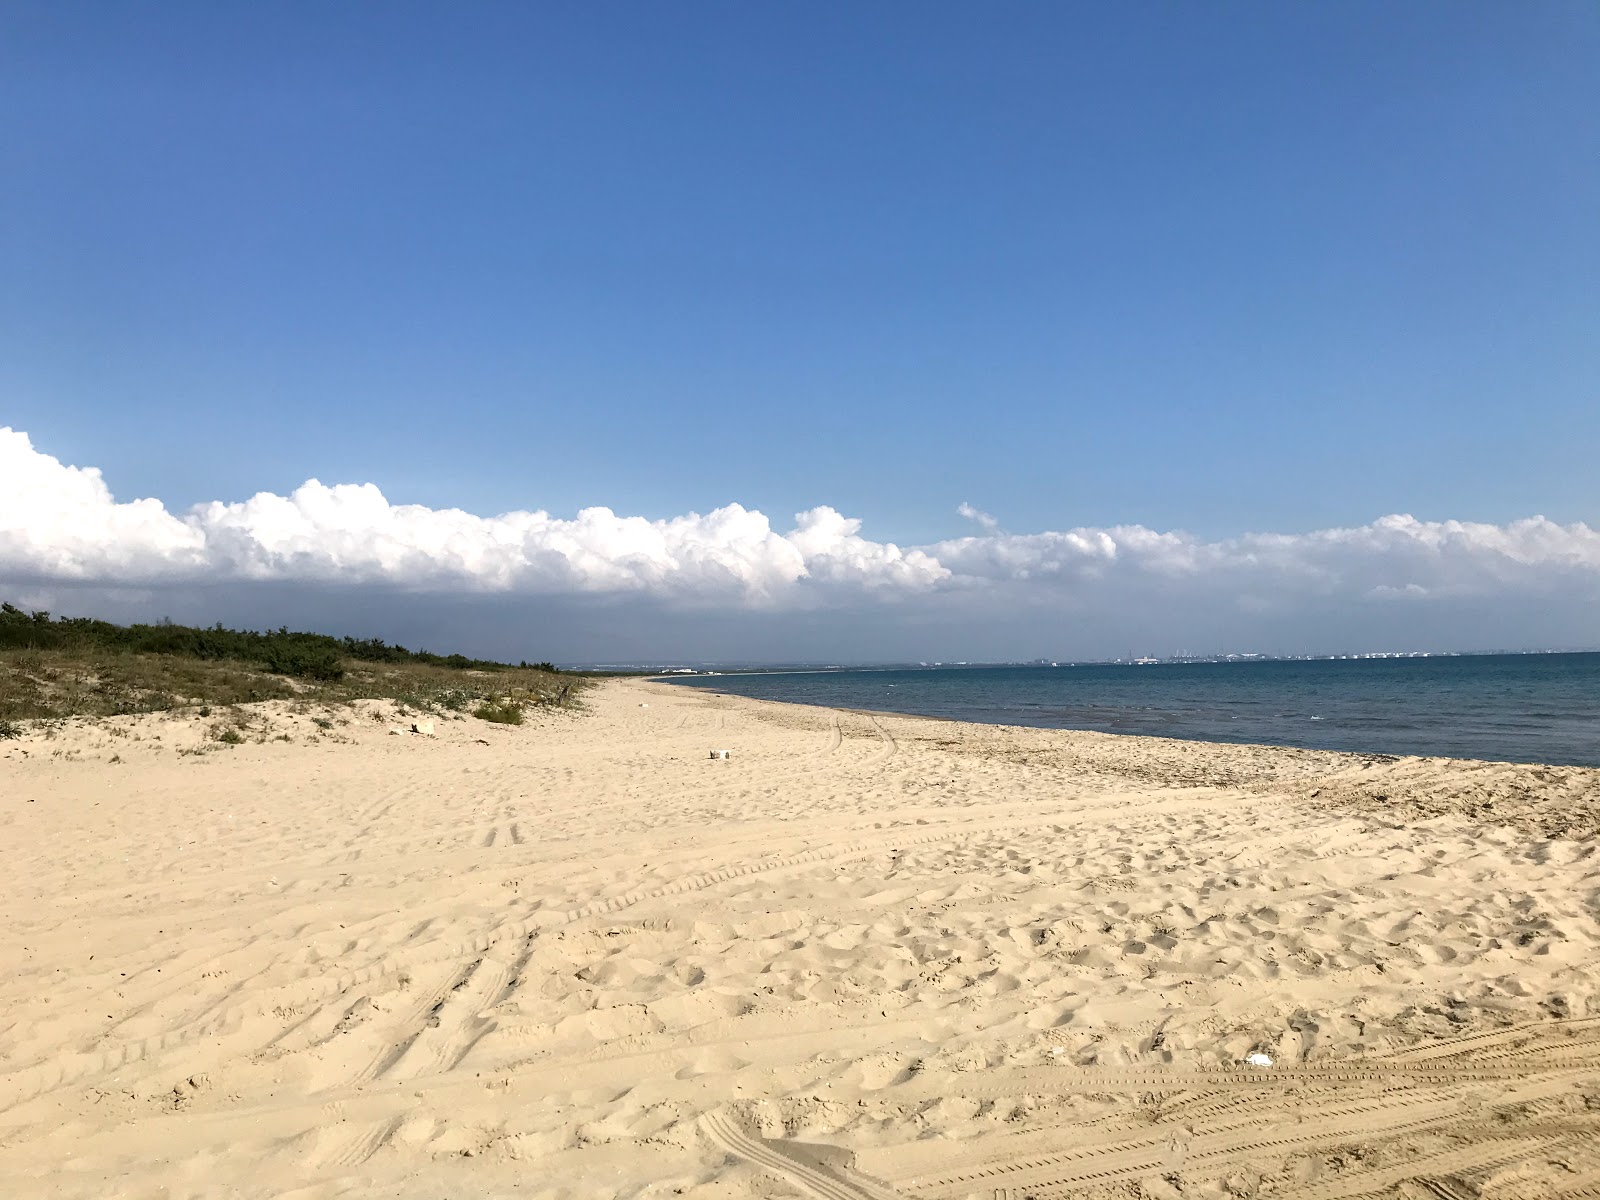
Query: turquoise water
pixel 1517 707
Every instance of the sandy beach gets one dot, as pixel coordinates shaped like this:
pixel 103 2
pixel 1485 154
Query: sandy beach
pixel 862 957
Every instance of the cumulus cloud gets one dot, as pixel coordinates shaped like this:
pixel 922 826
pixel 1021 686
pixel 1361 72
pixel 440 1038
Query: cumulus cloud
pixel 61 525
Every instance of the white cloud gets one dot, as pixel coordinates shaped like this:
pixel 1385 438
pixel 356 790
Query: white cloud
pixel 61 524
pixel 1411 591
pixel 977 514
pixel 1393 555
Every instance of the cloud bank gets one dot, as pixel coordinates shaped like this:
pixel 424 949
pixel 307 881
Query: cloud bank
pixel 60 525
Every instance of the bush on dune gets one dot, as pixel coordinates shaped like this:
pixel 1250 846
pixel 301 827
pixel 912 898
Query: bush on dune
pixel 303 661
pixel 80 666
pixel 282 651
pixel 505 711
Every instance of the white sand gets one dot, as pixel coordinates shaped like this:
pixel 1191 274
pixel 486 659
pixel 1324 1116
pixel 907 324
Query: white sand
pixel 863 957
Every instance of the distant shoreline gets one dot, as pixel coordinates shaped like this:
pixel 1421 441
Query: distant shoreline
pixel 1495 708
pixel 1239 660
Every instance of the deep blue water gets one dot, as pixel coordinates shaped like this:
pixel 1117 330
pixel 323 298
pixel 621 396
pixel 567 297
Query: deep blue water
pixel 1518 707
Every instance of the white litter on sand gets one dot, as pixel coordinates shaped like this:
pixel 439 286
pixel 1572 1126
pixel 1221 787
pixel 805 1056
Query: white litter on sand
pixel 1258 1059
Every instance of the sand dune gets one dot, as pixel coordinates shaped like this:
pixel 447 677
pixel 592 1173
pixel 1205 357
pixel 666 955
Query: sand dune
pixel 864 957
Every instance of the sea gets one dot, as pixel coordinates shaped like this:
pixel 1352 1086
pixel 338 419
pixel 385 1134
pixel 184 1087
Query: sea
pixel 1541 708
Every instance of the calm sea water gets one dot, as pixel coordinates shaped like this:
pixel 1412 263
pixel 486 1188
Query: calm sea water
pixel 1518 707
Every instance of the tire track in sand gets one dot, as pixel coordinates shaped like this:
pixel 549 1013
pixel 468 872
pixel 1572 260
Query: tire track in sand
pixel 812 1178
pixel 19 1086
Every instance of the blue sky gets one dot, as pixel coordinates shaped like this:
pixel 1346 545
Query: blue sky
pixel 1219 269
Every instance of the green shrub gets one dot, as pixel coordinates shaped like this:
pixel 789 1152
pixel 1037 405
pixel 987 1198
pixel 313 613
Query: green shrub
pixel 303 660
pixel 287 652
pixel 501 712
pixel 231 737
pixel 78 666
pixel 9 729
